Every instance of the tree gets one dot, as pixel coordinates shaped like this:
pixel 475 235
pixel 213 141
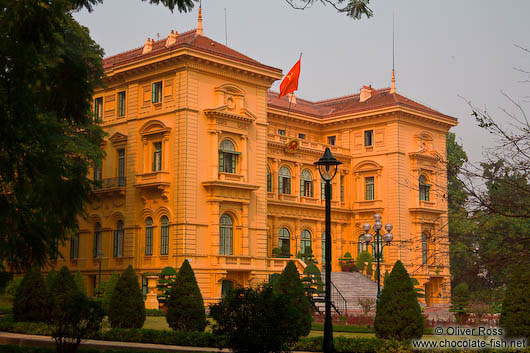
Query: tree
pixel 460 302
pixel 110 286
pixel 50 278
pixel 78 278
pixel 126 309
pixel 185 307
pixel 165 282
pixel 49 69
pixel 72 316
pixel 369 269
pixel 31 300
pixel 353 8
pixel 516 305
pixel 362 258
pixel 405 323
pixel 254 320
pixel 290 285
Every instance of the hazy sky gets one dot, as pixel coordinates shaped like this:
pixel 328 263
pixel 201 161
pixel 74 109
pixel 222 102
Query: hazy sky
pixel 443 48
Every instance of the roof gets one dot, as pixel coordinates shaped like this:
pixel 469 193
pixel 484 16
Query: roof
pixel 381 98
pixel 188 39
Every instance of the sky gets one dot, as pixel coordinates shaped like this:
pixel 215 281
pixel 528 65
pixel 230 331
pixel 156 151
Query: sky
pixel 446 51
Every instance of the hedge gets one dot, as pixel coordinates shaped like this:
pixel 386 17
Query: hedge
pixel 318 326
pixel 16 349
pixel 178 338
pixel 154 312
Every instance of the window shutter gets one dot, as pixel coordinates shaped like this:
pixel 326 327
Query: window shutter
pixel 115 243
pixel 234 158
pixel 221 161
pixel 302 182
pixel 280 185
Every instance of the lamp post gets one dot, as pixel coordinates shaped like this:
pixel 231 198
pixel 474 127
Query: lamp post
pixel 379 245
pixel 327 167
pixel 100 256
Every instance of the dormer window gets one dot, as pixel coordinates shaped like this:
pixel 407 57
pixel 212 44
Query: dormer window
pixel 227 157
pixel 156 92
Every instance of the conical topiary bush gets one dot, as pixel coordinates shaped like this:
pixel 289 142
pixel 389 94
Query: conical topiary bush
pixel 398 314
pixel 185 307
pixel 126 309
pixel 31 301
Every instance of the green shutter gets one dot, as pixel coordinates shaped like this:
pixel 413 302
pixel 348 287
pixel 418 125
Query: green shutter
pixel 221 161
pixel 153 93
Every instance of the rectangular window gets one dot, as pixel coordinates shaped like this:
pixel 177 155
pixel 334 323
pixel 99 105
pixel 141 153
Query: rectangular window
pixel 284 185
pixel 121 103
pixel 156 92
pixel 424 192
pixel 281 132
pixel 306 188
pixel 121 167
pixel 98 109
pixel 342 188
pixel 97 172
pixel 149 240
pixel 74 245
pixel 370 188
pixel 97 243
pixel 164 240
pixel 54 249
pixel 269 182
pixel 331 140
pixel 301 136
pixel 118 243
pixel 157 157
pixel 368 137
pixel 227 162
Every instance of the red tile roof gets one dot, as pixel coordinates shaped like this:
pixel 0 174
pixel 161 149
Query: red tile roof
pixel 381 98
pixel 188 39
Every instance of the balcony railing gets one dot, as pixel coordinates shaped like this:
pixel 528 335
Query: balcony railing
pixel 110 183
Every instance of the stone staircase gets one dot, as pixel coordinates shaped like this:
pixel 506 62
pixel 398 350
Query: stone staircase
pixel 352 285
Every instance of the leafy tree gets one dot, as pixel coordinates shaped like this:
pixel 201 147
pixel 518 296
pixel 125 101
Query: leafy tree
pixel 110 286
pixel 126 309
pixel 362 258
pixel 460 302
pixel 72 316
pixel 405 323
pixel 245 317
pixel 369 269
pixel 352 8
pixel 31 300
pixel 385 277
pixel 515 315
pixel 50 278
pixel 420 292
pixel 78 278
pixel 290 285
pixel 12 286
pixel 185 307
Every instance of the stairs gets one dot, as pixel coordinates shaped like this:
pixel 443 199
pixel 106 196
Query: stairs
pixel 351 285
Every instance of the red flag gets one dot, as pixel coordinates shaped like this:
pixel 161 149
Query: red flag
pixel 290 81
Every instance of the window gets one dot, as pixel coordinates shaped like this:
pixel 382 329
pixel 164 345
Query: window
pixel 323 247
pixel 342 188
pixel 145 286
pixel 121 167
pixel 323 190
pixel 97 240
pixel 227 157
pixel 305 241
pixel 284 181
pixel 379 239
pixel 368 138
pixel 226 232
pixel 424 188
pixel 370 189
pixel 301 136
pixel 281 132
pixel 54 249
pixel 121 103
pixel 226 287
pixel 331 140
pixel 157 157
pixel 98 109
pixel 361 245
pixel 118 239
pixel 284 241
pixel 156 92
pixel 97 172
pixel 306 184
pixel 269 180
pixel 424 248
pixel 74 243
pixel 164 235
pixel 149 236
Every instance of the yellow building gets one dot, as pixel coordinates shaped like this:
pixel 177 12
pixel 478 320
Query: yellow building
pixel 197 168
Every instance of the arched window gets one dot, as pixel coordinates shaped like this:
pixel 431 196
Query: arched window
pixel 424 248
pixel 379 239
pixel 424 188
pixel 164 235
pixel 97 239
pixel 305 241
pixel 227 157
pixel 361 246
pixel 284 181
pixel 149 236
pixel 306 183
pixel 269 180
pixel 284 241
pixel 118 239
pixel 74 243
pixel 323 247
pixel 226 233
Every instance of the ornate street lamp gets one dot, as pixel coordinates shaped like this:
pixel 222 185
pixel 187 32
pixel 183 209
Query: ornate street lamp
pixel 327 167
pixel 379 245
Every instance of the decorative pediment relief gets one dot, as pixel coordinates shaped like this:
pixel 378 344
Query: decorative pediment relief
pixel 118 140
pixel 153 127
pixel 225 112
pixel 423 154
pixel 231 104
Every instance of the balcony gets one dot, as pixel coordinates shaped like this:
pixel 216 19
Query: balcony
pixel 154 181
pixel 110 185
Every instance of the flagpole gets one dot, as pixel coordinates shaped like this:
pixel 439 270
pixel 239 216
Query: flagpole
pixel 290 101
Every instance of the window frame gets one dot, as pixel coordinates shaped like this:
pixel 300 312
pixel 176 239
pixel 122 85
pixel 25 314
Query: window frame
pixel 226 235
pixel 368 138
pixel 122 104
pixel 149 230
pixel 369 185
pixel 118 239
pixel 157 156
pixel 164 235
pixel 156 92
pixel 306 183
pixel 228 152
pixel 424 249
pixel 284 181
pixel 361 245
pixel 332 140
pixel 98 109
pixel 284 237
pixel 282 132
pixel 301 136
pixel 269 180
pixel 305 239
pixel 423 188
pixel 323 190
pixel 97 240
pixel 74 244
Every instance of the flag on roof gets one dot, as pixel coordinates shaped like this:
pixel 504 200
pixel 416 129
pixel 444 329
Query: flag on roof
pixel 290 81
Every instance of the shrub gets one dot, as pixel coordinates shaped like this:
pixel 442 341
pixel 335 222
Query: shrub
pixel 5 278
pixel 31 300
pixel 460 302
pixel 290 285
pixel 515 314
pixel 366 304
pixel 347 263
pixel 72 316
pixel 50 278
pixel 185 307
pixel 12 286
pixel 154 312
pixel 108 290
pixel 254 320
pixel 127 308
pixel 165 281
pixel 405 323
pixel 312 279
pixel 78 278
pixel 363 257
pixel 276 252
pixel 369 269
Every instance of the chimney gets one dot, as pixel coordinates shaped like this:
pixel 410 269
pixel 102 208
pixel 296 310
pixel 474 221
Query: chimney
pixel 147 46
pixel 366 93
pixel 172 38
pixel 199 22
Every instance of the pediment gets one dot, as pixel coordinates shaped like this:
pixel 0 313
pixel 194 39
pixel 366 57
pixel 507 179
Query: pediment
pixel 428 155
pixel 118 139
pixel 226 111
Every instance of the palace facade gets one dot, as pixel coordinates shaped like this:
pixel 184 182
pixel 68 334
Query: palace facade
pixel 203 162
